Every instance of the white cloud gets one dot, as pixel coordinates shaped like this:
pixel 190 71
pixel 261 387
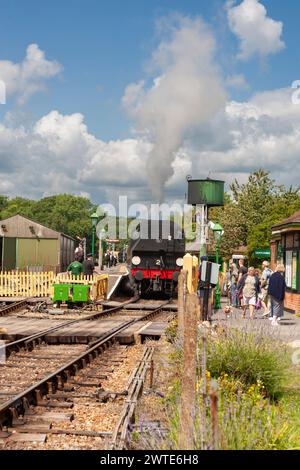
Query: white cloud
pixel 186 91
pixel 258 33
pixel 237 82
pixel 27 77
pixel 184 127
pixel 263 132
pixel 59 154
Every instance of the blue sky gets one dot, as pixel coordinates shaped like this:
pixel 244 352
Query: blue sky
pixel 105 46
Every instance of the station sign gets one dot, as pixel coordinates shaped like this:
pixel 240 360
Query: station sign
pixel 262 253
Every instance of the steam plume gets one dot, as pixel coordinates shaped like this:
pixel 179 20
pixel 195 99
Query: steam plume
pixel 186 92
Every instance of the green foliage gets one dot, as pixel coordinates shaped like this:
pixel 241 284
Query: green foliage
pixel 247 421
pixel 171 330
pixel 3 202
pixel 249 357
pixel 289 405
pixel 251 210
pixel 63 212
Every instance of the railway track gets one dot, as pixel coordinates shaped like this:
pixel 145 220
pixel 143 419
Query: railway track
pixel 12 307
pixel 29 342
pixel 83 377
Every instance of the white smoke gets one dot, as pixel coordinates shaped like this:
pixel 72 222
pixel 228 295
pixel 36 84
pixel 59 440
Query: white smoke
pixel 186 92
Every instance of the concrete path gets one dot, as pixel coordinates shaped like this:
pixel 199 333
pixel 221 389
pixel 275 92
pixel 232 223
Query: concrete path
pixel 288 330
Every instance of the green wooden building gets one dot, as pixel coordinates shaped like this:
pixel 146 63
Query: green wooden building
pixel 28 245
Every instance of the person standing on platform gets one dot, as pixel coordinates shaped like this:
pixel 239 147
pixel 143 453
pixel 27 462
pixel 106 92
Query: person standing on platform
pixel 107 258
pixel 88 265
pixel 250 287
pixel 202 290
pixel 79 252
pixel 233 284
pixel 242 270
pixel 276 291
pixel 264 283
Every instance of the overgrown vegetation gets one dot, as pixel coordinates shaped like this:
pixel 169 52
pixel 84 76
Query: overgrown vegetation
pixel 249 357
pixel 246 420
pixel 250 211
pixel 63 212
pixel 258 394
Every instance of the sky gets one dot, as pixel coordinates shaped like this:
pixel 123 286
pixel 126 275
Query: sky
pixel 128 97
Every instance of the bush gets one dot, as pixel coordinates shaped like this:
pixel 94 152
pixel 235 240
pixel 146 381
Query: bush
pixel 247 421
pixel 249 356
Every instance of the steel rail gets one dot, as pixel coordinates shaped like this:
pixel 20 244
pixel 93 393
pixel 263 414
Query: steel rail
pixel 10 410
pixel 121 433
pixel 14 306
pixel 30 341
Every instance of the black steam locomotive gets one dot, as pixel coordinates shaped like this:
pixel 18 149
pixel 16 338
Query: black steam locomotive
pixel 156 257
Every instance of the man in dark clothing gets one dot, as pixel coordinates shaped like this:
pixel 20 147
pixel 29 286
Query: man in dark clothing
pixel 276 292
pixel 88 266
pixel 204 293
pixel 242 269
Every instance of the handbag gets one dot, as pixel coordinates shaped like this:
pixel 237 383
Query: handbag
pixel 240 294
pixel 258 304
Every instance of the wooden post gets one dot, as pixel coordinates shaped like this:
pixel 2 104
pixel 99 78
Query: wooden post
pixel 188 266
pixel 181 303
pixel 195 274
pixel 151 374
pixel 188 390
pixel 204 398
pixel 214 413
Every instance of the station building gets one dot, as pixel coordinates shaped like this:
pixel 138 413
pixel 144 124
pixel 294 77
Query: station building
pixel 28 245
pixel 285 249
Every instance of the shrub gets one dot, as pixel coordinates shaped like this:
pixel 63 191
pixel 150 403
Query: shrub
pixel 247 421
pixel 249 356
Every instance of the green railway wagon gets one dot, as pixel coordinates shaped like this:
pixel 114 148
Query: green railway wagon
pixel 71 293
pixel 81 293
pixel 62 292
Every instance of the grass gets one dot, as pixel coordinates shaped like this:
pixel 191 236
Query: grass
pixel 258 391
pixel 289 405
pixel 246 420
pixel 249 356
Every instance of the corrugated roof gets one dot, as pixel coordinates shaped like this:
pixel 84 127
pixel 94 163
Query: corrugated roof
pixel 17 217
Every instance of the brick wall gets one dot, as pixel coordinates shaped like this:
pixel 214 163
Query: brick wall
pixel 292 302
pixel 273 246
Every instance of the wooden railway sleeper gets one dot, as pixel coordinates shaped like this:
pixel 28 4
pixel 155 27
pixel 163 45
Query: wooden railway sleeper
pixel 50 387
pixel 15 418
pixel 59 382
pixel 38 397
pixel 26 404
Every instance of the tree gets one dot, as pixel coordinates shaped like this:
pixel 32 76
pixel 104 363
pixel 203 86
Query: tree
pixel 252 209
pixel 63 212
pixel 3 204
pixel 18 205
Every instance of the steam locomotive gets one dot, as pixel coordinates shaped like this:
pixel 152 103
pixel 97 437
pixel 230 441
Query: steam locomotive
pixel 156 257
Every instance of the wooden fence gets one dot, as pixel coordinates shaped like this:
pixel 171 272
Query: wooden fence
pixel 27 284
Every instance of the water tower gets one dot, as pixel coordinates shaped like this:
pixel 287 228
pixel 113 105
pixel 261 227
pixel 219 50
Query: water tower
pixel 204 194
